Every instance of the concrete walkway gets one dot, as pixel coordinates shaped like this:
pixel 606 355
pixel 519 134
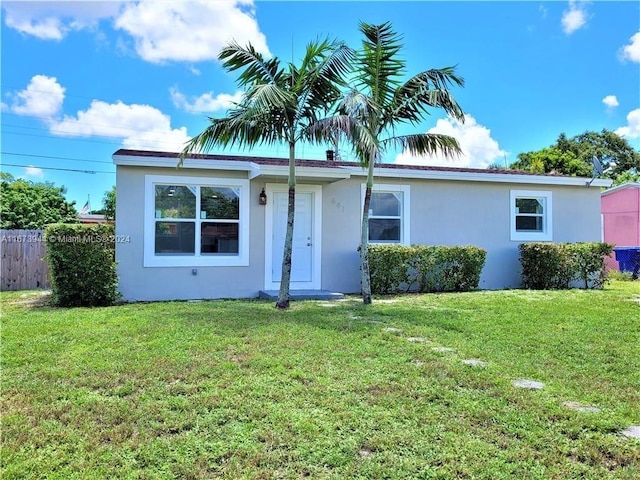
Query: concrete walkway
pixel 302 295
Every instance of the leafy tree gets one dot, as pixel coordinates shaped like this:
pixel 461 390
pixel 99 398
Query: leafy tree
pixel 552 160
pixel 30 206
pixel 280 104
pixel 573 156
pixel 109 204
pixel 608 147
pixel 379 101
pixel 627 177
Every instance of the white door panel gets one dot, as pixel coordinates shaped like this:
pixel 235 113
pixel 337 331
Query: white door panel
pixel 302 252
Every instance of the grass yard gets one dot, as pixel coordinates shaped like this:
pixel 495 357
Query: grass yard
pixel 236 389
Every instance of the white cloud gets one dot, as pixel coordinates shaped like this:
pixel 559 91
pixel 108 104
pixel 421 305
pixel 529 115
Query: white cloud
pixel 32 171
pixel 54 20
pixel 574 18
pixel 631 51
pixel 43 97
pixel 479 149
pixel 205 102
pixel 610 101
pixel 139 126
pixel 162 31
pixel 632 128
pixel 189 31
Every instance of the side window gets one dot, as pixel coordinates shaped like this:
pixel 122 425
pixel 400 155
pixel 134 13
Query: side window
pixel 385 217
pixel 389 214
pixel 531 215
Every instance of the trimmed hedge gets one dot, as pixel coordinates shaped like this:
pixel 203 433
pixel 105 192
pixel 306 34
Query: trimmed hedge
pixel 548 266
pixel 425 268
pixel 82 264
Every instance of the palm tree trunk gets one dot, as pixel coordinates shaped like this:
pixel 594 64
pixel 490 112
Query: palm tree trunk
pixel 284 297
pixel 364 239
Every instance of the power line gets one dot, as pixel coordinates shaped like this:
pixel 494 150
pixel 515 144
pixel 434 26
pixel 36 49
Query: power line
pixel 267 151
pixel 54 168
pixel 70 133
pixel 53 158
pixel 149 144
pixel 53 137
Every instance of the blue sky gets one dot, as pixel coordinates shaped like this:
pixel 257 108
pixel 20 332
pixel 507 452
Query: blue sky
pixel 82 79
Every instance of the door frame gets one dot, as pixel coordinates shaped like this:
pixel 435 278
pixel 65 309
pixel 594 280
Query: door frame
pixel 316 236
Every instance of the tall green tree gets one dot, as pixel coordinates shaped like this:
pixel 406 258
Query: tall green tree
pixel 280 105
pixel 573 156
pixel 380 101
pixel 30 206
pixel 552 160
pixel 109 204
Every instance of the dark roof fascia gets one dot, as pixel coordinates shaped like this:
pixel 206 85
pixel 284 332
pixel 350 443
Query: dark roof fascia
pixel 393 169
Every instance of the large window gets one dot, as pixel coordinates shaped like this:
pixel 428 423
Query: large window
pixel 531 215
pixel 389 214
pixel 195 221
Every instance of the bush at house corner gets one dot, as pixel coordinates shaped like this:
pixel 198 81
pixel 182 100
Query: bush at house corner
pixel 547 266
pixel 82 264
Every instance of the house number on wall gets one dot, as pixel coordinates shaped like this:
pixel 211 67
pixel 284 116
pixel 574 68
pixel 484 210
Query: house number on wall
pixel 337 204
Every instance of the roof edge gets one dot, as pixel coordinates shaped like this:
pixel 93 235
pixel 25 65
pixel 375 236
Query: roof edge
pixel 621 187
pixel 254 164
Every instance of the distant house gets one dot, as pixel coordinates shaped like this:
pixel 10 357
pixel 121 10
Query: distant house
pixel 621 217
pixel 202 231
pixel 92 218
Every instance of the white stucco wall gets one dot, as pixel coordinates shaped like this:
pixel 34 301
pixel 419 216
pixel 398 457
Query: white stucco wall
pixel 138 283
pixel 443 212
pixel 453 213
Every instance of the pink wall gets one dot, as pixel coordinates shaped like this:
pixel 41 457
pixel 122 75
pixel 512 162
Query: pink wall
pixel 621 217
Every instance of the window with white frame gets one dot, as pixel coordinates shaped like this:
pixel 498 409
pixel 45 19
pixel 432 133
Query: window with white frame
pixel 389 214
pixel 192 221
pixel 531 218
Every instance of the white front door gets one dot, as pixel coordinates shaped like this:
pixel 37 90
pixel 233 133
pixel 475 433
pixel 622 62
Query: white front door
pixel 305 264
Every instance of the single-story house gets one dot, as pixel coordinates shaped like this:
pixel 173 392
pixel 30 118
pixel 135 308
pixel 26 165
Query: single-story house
pixel 621 217
pixel 215 227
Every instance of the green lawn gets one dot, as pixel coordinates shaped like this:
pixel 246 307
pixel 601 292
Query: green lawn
pixel 236 389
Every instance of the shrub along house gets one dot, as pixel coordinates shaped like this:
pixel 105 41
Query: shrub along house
pixel 215 228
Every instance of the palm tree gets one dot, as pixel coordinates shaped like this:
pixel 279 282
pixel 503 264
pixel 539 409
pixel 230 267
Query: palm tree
pixel 379 102
pixel 280 105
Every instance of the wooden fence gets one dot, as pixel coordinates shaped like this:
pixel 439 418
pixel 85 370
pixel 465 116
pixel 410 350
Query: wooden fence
pixel 22 262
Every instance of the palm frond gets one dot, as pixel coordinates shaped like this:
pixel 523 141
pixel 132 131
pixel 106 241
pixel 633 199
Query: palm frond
pixel 358 105
pixel 329 128
pixel 425 144
pixel 378 65
pixel 366 145
pixel 245 126
pixel 426 89
pixel 257 69
pixel 328 76
pixel 327 64
pixel 269 96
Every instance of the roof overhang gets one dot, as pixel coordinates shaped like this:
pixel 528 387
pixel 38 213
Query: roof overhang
pixel 253 169
pixel 341 172
pixel 318 174
pixel 481 177
pixel 621 187
pixel 168 162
